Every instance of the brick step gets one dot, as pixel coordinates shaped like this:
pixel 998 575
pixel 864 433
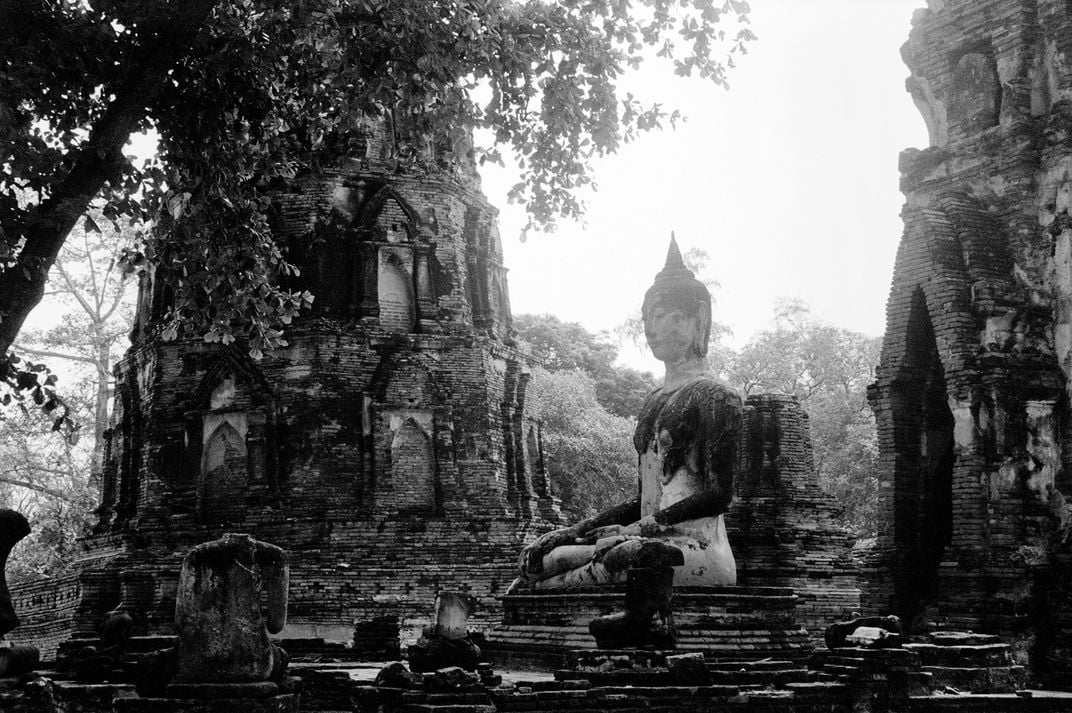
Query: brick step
pixel 990 702
pixel 866 665
pixel 532 701
pixel 729 648
pixel 979 656
pixel 745 636
pixel 761 678
pixel 476 697
pixel 560 685
pixel 961 638
pixel 892 659
pixel 995 679
pixel 764 665
pixel 135 645
pixel 815 689
pixel 623 677
pixel 447 708
pixel 654 693
pixel 842 673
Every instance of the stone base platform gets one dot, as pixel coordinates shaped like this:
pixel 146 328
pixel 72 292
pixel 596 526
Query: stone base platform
pixel 650 668
pixel 284 703
pixel 542 627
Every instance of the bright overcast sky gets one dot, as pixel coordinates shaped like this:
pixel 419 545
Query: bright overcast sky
pixel 788 180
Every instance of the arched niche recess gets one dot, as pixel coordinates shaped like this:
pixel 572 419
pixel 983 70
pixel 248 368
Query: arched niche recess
pixel 224 471
pixel 370 257
pixel 923 481
pixel 231 444
pixel 413 469
pixel 394 289
pixel 975 99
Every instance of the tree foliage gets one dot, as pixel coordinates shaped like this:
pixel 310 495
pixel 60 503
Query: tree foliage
pixel 591 462
pixel 565 346
pixel 44 475
pixel 47 473
pixel 589 407
pixel 247 94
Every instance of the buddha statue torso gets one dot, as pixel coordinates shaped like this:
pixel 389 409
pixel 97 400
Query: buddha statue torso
pixel 686 442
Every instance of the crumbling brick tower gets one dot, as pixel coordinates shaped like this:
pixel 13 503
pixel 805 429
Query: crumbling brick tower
pixel 971 394
pixel 388 448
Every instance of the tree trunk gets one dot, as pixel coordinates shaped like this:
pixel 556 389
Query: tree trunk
pixel 23 284
pixel 100 413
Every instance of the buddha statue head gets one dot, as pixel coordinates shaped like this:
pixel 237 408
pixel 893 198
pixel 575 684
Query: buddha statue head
pixel 677 312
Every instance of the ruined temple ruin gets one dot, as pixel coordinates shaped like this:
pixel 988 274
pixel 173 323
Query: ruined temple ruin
pixel 389 448
pixel 971 394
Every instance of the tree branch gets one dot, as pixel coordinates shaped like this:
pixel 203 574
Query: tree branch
pixel 38 489
pixel 74 292
pixel 54 355
pixel 23 284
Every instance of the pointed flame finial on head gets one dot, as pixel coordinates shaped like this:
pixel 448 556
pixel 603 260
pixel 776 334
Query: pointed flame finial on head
pixel 675 268
pixel 673 255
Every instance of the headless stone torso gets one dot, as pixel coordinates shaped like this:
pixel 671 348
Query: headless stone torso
pixel 223 632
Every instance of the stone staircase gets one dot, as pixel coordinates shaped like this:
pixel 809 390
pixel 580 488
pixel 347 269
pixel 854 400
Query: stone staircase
pixel 899 670
pixel 969 663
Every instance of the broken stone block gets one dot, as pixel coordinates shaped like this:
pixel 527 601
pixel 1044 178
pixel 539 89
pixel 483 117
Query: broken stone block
pixel 452 610
pixel 873 637
pixel 431 654
pixel 396 675
pixel 450 680
pixel 689 670
pixel 17 660
pixel 223 629
pixel 447 642
pixel 836 635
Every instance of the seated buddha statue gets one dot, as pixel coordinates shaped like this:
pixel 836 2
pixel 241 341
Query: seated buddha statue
pixel 686 439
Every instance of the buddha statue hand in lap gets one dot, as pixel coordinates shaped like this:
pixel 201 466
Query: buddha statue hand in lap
pixel 686 440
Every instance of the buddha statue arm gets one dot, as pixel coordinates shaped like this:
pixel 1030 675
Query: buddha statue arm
pixel 530 561
pixel 708 503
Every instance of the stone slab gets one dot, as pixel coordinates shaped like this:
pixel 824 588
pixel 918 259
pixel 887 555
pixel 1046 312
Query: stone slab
pixel 284 703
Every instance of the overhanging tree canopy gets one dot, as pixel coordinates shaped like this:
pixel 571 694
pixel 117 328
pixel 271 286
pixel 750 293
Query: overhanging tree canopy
pixel 247 93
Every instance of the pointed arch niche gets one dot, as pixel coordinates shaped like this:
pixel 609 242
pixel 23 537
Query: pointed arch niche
pixel 394 289
pixel 224 471
pixel 231 448
pixel 923 481
pixel 413 469
pixel 371 257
